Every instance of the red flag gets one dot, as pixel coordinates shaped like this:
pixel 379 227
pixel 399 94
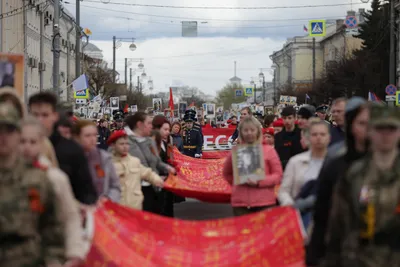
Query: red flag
pixel 126 108
pixel 171 102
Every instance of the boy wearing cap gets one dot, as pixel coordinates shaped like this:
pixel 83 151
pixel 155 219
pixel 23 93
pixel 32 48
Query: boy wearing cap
pixel 130 171
pixel 366 208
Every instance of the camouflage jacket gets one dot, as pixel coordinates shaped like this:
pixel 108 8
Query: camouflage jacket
pixel 31 234
pixel 364 227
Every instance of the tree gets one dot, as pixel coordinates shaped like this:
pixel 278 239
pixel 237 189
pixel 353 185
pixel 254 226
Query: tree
pixel 98 75
pixel 226 96
pixel 376 47
pixel 197 100
pixel 135 97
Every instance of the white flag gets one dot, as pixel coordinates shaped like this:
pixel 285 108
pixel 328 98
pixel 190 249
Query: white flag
pixel 81 83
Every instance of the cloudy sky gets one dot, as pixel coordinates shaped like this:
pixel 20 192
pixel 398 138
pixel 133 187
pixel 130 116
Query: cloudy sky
pixel 247 36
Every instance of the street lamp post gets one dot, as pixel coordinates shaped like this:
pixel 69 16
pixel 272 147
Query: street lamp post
pixel 274 81
pixel 116 45
pixel 255 89
pixel 261 76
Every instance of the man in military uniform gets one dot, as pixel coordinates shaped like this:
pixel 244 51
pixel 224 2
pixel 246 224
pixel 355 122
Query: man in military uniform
pixel 365 218
pixel 321 112
pixel 196 125
pixel 118 121
pixel 31 234
pixel 192 139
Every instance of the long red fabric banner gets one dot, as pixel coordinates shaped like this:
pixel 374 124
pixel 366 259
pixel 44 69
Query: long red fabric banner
pixel 130 238
pixel 199 178
pixel 215 154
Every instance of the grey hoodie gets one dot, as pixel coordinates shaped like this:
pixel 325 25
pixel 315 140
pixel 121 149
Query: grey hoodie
pixel 145 149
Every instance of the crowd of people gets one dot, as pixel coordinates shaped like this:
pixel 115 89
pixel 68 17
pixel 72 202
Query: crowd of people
pixel 343 177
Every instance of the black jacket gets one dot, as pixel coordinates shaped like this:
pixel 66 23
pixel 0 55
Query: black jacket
pixel 73 162
pixel 287 145
pixel 103 135
pixel 235 134
pixel 192 142
pixel 331 171
pixel 337 135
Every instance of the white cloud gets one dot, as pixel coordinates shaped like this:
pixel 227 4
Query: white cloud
pixel 108 19
pixel 203 62
pixel 166 54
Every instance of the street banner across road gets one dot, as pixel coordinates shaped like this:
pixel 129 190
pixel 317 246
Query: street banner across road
pixel 199 178
pixel 128 238
pixel 217 138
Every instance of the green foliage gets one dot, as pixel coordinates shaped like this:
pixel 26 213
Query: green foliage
pixel 198 101
pixel 135 97
pixel 226 96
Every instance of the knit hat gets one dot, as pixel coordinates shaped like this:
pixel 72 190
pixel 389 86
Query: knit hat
pixel 354 103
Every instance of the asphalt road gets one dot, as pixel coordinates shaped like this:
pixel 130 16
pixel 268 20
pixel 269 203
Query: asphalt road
pixel 193 209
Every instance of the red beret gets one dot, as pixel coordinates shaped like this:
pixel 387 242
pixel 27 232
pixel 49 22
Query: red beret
pixel 268 130
pixel 278 123
pixel 115 136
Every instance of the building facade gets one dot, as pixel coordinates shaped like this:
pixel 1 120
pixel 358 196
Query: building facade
pixel 28 30
pixel 294 63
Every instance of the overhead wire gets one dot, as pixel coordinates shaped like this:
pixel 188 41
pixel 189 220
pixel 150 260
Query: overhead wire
pixel 210 27
pixel 203 19
pixel 220 7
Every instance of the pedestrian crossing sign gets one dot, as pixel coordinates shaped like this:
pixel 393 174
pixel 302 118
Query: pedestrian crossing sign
pixel 83 94
pixel 248 91
pixel 317 28
pixel 238 93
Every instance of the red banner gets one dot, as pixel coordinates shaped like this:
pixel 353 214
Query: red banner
pixel 215 154
pixel 125 237
pixel 216 138
pixel 199 178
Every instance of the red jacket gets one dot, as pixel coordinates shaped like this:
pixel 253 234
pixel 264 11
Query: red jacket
pixel 264 194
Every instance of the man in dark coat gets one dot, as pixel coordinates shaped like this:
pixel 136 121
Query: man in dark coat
pixel 192 138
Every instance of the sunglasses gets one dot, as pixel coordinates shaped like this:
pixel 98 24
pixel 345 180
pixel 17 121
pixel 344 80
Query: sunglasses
pixel 388 127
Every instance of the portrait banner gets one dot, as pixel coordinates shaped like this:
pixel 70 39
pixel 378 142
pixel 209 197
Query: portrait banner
pixel 200 178
pixel 125 237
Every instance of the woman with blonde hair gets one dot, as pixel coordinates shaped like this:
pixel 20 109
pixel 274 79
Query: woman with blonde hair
pixel 254 196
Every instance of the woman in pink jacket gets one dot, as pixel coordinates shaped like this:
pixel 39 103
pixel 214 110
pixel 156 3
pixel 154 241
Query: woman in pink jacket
pixel 254 196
